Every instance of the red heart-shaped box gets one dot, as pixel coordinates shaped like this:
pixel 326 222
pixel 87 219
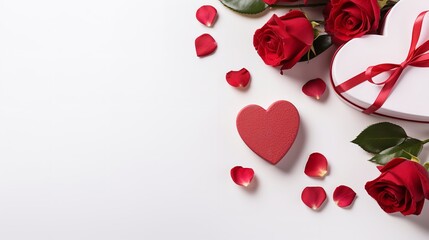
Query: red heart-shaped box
pixel 269 133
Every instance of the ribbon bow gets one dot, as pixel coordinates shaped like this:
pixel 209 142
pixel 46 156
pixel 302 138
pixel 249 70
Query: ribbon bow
pixel 417 57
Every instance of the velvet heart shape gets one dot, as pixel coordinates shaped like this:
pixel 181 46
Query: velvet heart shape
pixel 269 133
pixel 406 96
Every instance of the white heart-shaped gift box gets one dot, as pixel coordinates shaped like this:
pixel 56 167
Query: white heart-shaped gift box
pixel 409 99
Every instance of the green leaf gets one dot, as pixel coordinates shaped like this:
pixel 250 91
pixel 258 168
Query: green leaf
pixel 246 6
pixel 410 147
pixel 380 136
pixel 320 44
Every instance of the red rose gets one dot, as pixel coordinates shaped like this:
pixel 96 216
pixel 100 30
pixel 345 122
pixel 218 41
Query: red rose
pixel 402 187
pixel 347 19
pixel 282 41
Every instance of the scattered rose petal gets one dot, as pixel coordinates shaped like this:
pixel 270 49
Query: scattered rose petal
pixel 313 197
pixel 205 44
pixel 271 2
pixel 317 165
pixel 242 176
pixel 207 15
pixel 314 88
pixel 344 196
pixel 238 78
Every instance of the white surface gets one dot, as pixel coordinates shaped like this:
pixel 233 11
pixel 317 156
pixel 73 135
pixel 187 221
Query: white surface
pixel 410 96
pixel 112 128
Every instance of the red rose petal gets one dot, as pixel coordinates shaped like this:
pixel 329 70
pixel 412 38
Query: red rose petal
pixel 270 2
pixel 207 15
pixel 205 44
pixel 238 78
pixel 314 88
pixel 313 197
pixel 344 196
pixel 317 165
pixel 242 176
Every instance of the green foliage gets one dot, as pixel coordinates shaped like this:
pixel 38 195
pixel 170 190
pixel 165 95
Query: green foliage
pixel 408 149
pixel 380 136
pixel 245 6
pixel 388 141
pixel 320 44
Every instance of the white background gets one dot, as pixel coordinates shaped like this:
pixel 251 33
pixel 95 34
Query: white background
pixel 112 128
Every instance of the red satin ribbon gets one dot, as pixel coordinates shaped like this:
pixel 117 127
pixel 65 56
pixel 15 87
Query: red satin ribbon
pixel 417 57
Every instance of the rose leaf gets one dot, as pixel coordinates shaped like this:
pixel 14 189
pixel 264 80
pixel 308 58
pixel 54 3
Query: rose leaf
pixel 245 6
pixel 320 44
pixel 410 147
pixel 380 136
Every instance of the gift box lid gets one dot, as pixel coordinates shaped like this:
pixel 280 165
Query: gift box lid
pixel 410 95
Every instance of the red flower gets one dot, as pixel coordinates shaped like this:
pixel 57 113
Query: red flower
pixel 402 187
pixel 282 41
pixel 347 19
